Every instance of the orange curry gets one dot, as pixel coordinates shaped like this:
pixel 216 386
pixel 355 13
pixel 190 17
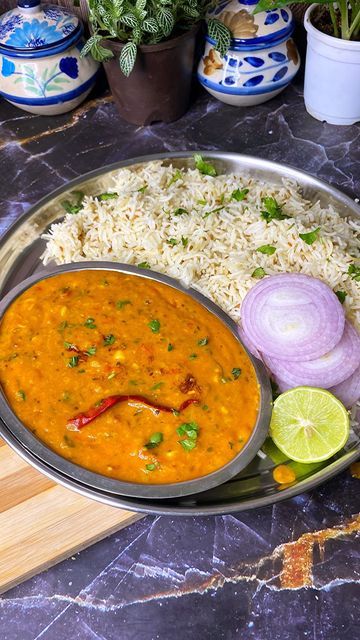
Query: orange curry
pixel 127 377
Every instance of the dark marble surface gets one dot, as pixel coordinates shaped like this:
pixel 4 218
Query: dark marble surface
pixel 285 572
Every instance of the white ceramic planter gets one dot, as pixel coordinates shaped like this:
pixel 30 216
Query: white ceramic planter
pixel 332 76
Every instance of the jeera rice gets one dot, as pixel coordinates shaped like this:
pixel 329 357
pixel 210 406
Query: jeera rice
pixel 210 233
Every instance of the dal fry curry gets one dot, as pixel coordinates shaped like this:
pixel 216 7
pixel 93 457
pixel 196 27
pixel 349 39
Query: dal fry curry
pixel 127 377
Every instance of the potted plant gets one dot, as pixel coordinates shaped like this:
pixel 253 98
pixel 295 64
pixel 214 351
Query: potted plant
pixel 147 47
pixel 332 71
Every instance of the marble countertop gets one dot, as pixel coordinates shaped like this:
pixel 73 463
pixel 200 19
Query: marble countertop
pixel 207 578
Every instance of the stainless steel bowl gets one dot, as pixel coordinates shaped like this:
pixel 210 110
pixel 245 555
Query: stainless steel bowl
pixel 101 483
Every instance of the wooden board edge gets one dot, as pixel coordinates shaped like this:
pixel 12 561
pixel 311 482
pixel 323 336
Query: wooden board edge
pixel 66 554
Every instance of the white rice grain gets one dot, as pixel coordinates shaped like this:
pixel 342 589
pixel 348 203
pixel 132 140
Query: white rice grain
pixel 220 255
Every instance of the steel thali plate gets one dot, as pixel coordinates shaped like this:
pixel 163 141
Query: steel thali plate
pixel 20 251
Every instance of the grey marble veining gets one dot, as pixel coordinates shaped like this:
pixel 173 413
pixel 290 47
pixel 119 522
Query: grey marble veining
pixel 286 572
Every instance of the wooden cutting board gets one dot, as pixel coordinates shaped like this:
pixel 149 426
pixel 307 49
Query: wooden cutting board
pixel 42 523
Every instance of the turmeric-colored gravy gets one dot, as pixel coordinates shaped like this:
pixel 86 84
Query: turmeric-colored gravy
pixel 73 340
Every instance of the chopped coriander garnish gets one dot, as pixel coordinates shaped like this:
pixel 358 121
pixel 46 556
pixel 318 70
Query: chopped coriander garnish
pixel 109 339
pixel 236 372
pixel 205 407
pixel 63 325
pixel 354 271
pixel 156 386
pixel 258 273
pixel 73 362
pixel 154 326
pixel 120 304
pixel 154 440
pixel 267 249
pixel 90 323
pixel 310 237
pixel 170 347
pixel 204 167
pixel 151 467
pixel 203 342
pixel 273 210
pixel 74 207
pixel 213 211
pixel 187 444
pixel 341 296
pixel 189 429
pixel 177 176
pixel 172 242
pixel 143 189
pixel 192 356
pixel 90 351
pixel 239 194
pixel 68 345
pixel 21 394
pixel 144 265
pixel 184 241
pixel 81 371
pixel 201 202
pixel 180 211
pixel 107 196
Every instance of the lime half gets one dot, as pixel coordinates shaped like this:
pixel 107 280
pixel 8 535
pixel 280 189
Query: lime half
pixel 309 424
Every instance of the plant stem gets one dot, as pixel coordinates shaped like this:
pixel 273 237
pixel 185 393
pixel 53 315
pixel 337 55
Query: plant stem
pixel 355 24
pixel 333 20
pixel 344 12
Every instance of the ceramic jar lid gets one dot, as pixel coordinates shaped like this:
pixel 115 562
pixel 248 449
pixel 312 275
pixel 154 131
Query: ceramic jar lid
pixel 249 29
pixel 32 27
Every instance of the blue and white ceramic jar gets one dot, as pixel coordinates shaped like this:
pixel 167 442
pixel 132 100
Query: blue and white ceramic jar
pixel 261 61
pixel 41 70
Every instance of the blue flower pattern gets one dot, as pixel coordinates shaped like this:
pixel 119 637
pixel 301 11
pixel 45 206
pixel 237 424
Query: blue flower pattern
pixel 9 25
pixel 53 13
pixel 232 76
pixel 33 34
pixel 50 81
pixel 8 68
pixel 67 29
pixel 69 66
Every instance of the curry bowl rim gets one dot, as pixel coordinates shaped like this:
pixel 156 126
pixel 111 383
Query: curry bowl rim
pixel 97 481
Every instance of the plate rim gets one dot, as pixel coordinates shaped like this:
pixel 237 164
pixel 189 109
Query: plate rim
pixel 173 510
pixel 253 162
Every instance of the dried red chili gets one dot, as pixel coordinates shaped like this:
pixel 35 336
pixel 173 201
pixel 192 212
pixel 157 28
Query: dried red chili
pixel 82 419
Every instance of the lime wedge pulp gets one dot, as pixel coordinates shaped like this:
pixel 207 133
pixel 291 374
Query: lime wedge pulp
pixel 309 424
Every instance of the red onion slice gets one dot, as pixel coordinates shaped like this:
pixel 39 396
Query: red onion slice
pixel 325 372
pixel 293 316
pixel 348 392
pixel 282 386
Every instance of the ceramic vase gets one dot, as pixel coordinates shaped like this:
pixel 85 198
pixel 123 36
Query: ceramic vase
pixel 41 70
pixel 262 58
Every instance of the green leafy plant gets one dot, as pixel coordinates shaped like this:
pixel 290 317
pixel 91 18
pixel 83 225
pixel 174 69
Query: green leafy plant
pixel 344 15
pixel 146 22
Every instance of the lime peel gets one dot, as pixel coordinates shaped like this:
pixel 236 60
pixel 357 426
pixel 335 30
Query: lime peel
pixel 309 424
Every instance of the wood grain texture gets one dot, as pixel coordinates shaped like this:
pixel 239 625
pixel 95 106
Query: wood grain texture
pixel 42 523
